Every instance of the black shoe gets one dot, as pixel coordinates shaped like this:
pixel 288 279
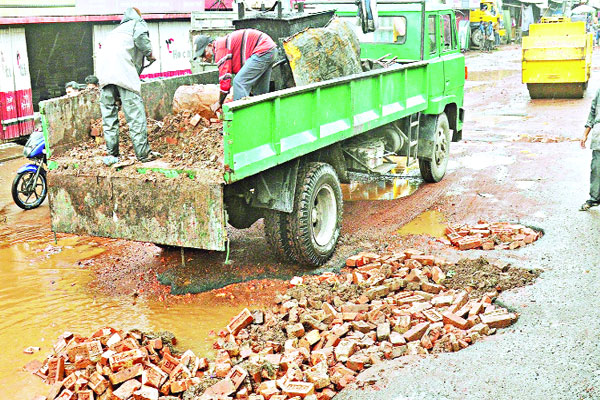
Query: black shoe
pixel 588 204
pixel 153 155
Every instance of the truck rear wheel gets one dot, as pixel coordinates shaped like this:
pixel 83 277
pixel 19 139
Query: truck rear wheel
pixel 315 223
pixel 434 170
pixel 276 233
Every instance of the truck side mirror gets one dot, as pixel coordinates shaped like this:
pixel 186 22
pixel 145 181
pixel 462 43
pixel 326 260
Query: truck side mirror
pixel 367 13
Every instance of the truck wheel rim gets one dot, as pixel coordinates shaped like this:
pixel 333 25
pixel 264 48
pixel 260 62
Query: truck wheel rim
pixel 441 146
pixel 323 215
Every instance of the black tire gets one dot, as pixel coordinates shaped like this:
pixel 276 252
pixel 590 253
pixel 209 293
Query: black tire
pixel 21 194
pixel 434 170
pixel 477 39
pixel 276 233
pixel 313 228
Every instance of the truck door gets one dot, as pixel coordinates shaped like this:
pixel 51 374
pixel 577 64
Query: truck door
pixel 436 66
pixel 452 60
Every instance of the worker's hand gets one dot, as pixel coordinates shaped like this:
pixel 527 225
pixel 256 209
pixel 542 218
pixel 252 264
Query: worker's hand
pixel 582 142
pixel 216 107
pixel 151 58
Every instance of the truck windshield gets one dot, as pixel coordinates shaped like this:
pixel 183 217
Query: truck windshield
pixel 390 30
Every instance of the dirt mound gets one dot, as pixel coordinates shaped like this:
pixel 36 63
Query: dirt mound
pixel 483 276
pixel 186 141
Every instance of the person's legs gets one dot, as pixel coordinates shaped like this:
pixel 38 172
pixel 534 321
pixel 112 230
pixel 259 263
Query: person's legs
pixel 251 73
pixel 595 176
pixel 110 118
pixel 262 85
pixel 135 114
pixel 594 182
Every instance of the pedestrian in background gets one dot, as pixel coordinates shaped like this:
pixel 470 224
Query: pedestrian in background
pixel 592 125
pixel 91 82
pixel 120 63
pixel 72 88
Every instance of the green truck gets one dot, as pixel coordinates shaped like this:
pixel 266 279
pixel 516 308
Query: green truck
pixel 286 152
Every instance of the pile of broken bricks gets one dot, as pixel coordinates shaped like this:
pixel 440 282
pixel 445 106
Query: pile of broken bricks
pixel 491 236
pixel 398 306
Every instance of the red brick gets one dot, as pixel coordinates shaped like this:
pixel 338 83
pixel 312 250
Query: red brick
pixel 126 359
pixel 146 393
pixel 97 383
pixel 222 388
pixel 126 374
pixel 295 330
pixel 354 261
pixel 431 287
pixel 154 376
pixel 66 395
pixel 168 363
pixel 432 315
pixel 237 376
pixel 455 320
pixel 69 381
pixel 468 243
pixel 424 259
pixel 416 332
pixel 86 395
pixel 125 391
pixel 56 369
pixel 476 308
pixel 156 343
pixel 301 389
pixel 498 320
pixel 240 321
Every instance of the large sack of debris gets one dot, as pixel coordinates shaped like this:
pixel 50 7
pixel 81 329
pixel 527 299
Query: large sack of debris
pixel 196 99
pixel 320 54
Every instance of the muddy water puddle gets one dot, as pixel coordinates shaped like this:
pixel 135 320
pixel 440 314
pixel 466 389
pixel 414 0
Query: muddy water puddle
pixel 45 292
pixel 494 75
pixel 431 223
pixel 385 189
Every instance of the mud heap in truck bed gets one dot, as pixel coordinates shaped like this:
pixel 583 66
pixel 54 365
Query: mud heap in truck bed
pixel 186 142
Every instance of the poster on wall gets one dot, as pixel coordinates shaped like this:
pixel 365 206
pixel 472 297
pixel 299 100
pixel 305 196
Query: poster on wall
pixel 175 48
pixel 16 105
pixel 22 81
pixel 170 46
pixel 30 8
pixel 8 107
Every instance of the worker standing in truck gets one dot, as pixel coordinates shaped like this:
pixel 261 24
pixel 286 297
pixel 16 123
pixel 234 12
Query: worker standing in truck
pixel 120 63
pixel 246 53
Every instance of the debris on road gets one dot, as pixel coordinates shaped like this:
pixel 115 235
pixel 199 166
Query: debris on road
pixel 545 139
pixel 314 342
pixel 184 140
pixel 491 236
pixel 482 276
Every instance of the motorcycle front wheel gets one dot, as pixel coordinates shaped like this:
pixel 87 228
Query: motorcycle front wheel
pixel 28 194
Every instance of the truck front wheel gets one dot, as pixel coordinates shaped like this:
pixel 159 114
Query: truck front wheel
pixel 434 170
pixel 315 223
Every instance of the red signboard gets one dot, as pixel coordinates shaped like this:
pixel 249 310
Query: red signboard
pixel 16 106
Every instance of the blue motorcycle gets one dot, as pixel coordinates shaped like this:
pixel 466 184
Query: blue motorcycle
pixel 29 188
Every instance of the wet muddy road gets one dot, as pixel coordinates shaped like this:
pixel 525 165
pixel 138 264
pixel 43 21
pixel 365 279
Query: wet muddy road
pixel 82 283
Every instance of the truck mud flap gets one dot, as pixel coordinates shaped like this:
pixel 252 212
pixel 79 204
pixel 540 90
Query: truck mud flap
pixel 163 211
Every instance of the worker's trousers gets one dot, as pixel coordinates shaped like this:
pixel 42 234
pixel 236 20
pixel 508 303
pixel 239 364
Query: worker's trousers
pixel 135 114
pixel 254 76
pixel 595 176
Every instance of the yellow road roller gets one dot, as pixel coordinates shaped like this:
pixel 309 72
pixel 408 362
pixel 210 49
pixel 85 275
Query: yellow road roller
pixel 557 59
